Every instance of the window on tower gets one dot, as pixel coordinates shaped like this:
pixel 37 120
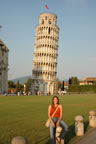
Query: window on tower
pixel 45 17
pixel 42 21
pixel 2 52
pixel 49 30
pixel 49 21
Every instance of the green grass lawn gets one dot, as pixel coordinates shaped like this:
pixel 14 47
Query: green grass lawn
pixel 26 116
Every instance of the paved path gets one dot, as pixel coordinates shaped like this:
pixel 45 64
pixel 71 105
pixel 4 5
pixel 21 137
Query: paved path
pixel 88 138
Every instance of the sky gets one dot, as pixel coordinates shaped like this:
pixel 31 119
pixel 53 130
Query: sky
pixel 77 36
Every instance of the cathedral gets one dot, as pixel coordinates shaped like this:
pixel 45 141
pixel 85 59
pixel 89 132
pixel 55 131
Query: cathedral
pixel 45 55
pixel 3 68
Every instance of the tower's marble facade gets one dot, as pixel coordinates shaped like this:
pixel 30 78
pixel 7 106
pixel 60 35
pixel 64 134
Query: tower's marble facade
pixel 3 67
pixel 45 55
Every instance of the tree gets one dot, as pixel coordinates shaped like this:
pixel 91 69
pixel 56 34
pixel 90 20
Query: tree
pixel 59 84
pixel 28 84
pixel 94 82
pixel 62 86
pixel 73 81
pixel 18 86
pixel 11 84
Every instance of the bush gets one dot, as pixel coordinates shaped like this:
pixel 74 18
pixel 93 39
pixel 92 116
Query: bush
pixel 82 88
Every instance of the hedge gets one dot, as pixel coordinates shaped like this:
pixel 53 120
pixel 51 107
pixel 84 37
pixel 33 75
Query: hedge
pixel 82 88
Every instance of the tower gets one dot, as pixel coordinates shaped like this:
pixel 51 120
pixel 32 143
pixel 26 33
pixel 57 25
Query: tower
pixel 3 67
pixel 45 55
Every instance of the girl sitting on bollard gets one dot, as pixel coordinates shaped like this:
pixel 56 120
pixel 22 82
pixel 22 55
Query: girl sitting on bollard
pixel 56 121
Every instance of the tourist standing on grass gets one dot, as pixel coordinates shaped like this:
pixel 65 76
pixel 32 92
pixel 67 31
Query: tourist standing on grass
pixel 56 120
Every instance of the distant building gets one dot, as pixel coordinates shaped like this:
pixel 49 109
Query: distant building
pixel 45 55
pixel 3 67
pixel 12 90
pixel 88 81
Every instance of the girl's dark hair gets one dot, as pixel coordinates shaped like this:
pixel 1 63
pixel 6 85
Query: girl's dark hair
pixel 53 100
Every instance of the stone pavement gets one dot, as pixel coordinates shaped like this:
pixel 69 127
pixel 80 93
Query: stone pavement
pixel 88 138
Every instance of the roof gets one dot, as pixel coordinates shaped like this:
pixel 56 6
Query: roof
pixel 89 79
pixel 66 84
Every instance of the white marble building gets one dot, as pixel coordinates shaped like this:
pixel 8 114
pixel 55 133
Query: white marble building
pixel 3 67
pixel 45 55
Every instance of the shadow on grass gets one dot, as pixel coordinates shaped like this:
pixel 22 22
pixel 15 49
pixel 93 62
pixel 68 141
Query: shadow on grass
pixel 86 124
pixel 71 132
pixel 42 140
pixel 48 142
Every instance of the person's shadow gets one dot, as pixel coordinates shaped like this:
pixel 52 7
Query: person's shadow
pixel 70 134
pixel 48 142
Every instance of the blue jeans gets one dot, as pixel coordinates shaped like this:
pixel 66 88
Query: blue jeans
pixel 53 130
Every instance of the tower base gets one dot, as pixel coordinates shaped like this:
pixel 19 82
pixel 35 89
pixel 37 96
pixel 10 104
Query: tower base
pixel 41 87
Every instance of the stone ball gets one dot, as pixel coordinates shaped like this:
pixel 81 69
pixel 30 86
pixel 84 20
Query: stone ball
pixel 19 140
pixel 92 113
pixel 58 129
pixel 79 118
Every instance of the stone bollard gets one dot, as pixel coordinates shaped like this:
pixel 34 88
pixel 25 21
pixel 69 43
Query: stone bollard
pixel 92 119
pixel 79 125
pixel 19 140
pixel 58 131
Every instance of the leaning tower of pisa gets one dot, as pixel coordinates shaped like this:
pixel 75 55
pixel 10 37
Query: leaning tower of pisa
pixel 45 55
